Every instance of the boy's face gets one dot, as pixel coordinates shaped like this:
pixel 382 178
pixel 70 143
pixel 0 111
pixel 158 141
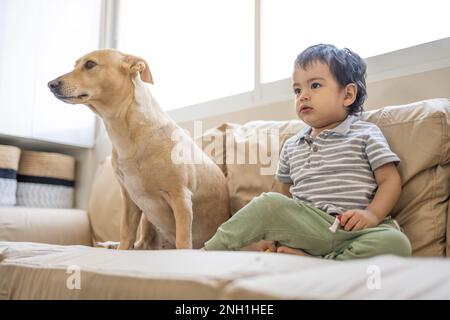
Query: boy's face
pixel 319 99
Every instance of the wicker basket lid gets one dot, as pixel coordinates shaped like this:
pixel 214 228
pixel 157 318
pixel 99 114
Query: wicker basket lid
pixel 46 164
pixel 9 157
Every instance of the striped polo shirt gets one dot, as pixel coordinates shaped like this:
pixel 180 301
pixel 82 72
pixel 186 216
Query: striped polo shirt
pixel 334 171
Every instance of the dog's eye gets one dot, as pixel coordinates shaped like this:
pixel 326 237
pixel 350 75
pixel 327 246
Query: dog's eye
pixel 89 64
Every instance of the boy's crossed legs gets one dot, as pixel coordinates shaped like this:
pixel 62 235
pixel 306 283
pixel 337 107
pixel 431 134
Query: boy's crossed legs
pixel 295 224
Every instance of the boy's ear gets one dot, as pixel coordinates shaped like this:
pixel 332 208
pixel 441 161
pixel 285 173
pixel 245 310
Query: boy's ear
pixel 350 92
pixel 135 64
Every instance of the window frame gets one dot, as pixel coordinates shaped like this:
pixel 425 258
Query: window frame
pixel 420 58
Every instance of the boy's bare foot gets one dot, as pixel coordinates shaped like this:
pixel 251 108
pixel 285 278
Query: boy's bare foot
pixel 297 252
pixel 262 245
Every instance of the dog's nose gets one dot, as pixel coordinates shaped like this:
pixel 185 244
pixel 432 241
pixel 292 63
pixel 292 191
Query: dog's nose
pixel 55 85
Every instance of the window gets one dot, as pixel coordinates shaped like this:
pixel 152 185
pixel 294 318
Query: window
pixel 40 40
pixel 198 50
pixel 369 28
pixel 211 54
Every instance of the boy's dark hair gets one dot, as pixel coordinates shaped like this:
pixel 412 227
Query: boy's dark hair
pixel 345 65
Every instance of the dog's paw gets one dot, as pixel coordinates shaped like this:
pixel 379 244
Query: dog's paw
pixel 144 245
pixel 167 245
pixel 125 247
pixel 183 245
pixel 107 244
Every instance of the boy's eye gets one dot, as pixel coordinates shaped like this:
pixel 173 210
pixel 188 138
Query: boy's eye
pixel 297 91
pixel 315 85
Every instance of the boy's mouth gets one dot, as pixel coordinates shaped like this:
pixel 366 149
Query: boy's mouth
pixel 305 108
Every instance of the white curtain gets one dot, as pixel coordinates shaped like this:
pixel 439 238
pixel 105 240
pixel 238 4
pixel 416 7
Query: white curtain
pixel 40 40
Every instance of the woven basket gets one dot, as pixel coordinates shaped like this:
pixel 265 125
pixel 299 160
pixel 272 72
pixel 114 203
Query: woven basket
pixel 9 162
pixel 45 180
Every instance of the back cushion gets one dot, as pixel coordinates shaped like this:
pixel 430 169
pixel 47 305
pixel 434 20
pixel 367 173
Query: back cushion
pixel 448 228
pixel 417 133
pixel 252 152
pixel 212 143
pixel 105 204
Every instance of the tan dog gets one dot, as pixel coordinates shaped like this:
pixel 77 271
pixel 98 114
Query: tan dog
pixel 183 203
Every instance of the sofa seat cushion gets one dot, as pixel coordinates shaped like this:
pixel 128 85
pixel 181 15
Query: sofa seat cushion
pixel 40 271
pixel 382 277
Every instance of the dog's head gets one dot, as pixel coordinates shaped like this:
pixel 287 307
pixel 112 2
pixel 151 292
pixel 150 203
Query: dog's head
pixel 99 76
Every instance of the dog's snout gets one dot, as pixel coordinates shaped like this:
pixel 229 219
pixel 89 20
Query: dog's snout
pixel 55 85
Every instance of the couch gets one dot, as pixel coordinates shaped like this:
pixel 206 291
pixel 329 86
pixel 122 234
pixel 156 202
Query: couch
pixel 51 253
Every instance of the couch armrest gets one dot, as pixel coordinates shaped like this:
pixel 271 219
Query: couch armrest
pixel 46 225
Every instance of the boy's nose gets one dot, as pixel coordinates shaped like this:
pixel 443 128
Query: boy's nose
pixel 304 96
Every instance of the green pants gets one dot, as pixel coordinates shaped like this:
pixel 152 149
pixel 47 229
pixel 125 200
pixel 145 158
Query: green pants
pixel 296 224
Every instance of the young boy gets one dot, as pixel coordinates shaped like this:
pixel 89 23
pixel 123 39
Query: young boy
pixel 337 167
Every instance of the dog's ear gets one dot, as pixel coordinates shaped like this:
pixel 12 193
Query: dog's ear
pixel 135 64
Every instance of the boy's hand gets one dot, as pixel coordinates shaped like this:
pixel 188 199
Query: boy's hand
pixel 354 220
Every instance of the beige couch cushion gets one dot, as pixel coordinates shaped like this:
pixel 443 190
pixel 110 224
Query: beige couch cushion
pixel 252 152
pixel 38 271
pixel 382 277
pixel 212 142
pixel 46 225
pixel 105 204
pixel 417 132
pixel 448 229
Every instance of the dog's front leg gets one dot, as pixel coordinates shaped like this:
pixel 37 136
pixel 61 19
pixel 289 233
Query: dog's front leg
pixel 181 204
pixel 149 238
pixel 131 216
